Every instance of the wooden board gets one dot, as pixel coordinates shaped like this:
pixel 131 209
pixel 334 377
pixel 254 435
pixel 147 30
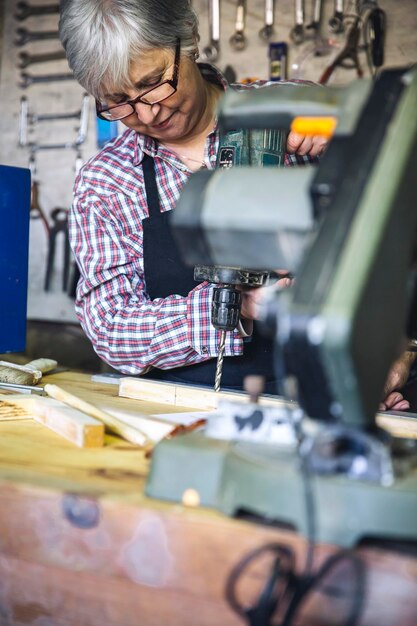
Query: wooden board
pixel 80 429
pixel 200 399
pixel 12 408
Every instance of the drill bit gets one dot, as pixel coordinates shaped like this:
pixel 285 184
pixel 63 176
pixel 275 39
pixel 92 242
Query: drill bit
pixel 220 357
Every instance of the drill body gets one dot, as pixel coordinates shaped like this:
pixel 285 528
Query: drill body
pixel 258 148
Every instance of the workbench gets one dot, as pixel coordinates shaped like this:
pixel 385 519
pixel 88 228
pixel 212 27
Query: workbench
pixel 81 545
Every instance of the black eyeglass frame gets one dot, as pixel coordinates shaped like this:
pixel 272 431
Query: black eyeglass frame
pixel 173 82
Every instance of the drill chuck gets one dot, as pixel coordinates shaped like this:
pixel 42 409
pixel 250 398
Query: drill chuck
pixel 225 308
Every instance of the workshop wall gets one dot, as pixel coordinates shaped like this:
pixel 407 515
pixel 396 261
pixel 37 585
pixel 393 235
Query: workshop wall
pixel 47 89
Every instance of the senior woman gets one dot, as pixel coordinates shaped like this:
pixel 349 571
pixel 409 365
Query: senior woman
pixel 136 301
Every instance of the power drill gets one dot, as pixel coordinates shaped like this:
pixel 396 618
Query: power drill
pixel 260 148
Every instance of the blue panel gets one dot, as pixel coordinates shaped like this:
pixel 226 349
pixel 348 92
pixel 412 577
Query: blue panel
pixel 14 248
pixel 106 131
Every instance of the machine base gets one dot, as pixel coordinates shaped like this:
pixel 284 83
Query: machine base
pixel 266 480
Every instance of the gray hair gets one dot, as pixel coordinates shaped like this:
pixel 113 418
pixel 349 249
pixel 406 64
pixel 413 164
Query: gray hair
pixel 101 37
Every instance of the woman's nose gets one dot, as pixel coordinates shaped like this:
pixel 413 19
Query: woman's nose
pixel 147 113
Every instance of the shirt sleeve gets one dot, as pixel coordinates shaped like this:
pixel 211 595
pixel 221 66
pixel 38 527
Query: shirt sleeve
pixel 128 330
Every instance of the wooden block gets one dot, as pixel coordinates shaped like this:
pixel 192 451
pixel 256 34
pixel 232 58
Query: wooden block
pixel 147 390
pixel 15 407
pixel 402 426
pixel 81 429
pixel 202 398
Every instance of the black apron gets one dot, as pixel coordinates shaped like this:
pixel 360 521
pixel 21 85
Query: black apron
pixel 166 274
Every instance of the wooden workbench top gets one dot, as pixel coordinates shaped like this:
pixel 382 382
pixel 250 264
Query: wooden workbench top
pixel 34 455
pixel 80 544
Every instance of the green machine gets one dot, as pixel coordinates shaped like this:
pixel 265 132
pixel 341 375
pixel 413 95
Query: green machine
pixel 347 230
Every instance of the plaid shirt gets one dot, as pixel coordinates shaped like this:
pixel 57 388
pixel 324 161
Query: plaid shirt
pixel 128 330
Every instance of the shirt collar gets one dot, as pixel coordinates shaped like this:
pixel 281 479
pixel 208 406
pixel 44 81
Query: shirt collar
pixel 147 145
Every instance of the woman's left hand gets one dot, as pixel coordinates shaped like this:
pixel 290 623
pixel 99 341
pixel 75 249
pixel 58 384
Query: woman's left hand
pixel 306 145
pixel 397 377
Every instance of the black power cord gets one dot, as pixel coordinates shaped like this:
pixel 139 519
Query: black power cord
pixel 285 591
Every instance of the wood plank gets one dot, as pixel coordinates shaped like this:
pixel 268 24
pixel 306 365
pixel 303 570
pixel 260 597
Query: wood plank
pixel 402 426
pixel 75 426
pixel 201 398
pixel 12 407
pixel 81 429
pixel 112 424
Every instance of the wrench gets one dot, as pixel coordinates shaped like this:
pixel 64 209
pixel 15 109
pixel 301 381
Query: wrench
pixel 34 147
pixel 33 118
pixel 267 31
pixel 29 59
pixel 336 22
pixel 211 51
pixel 28 79
pixel 23 122
pixel 238 40
pixel 322 46
pixel 83 128
pixel 316 21
pixel 297 34
pixel 24 36
pixel 25 10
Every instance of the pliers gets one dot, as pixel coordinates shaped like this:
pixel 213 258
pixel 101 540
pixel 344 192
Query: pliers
pixel 348 57
pixel 59 225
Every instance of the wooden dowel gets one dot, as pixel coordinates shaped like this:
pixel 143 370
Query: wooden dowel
pixel 130 433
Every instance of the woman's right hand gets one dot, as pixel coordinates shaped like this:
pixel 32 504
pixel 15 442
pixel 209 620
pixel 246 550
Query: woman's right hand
pixel 252 297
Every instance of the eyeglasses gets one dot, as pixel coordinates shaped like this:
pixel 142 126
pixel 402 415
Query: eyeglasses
pixel 157 94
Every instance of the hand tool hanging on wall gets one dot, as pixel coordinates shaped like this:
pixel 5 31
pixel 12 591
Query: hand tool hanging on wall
pixel 336 21
pixel 238 40
pixel 36 211
pixel 267 31
pixel 59 218
pixel 26 59
pixel 316 18
pixel 25 36
pixel 347 58
pixel 29 79
pixel 297 34
pixel 27 119
pixel 25 10
pixel 374 28
pixel 212 50
pixel 322 45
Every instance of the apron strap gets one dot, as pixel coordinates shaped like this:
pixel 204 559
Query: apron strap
pixel 152 196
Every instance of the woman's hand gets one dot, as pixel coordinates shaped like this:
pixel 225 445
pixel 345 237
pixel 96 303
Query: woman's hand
pixel 397 377
pixel 252 297
pixel 306 145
